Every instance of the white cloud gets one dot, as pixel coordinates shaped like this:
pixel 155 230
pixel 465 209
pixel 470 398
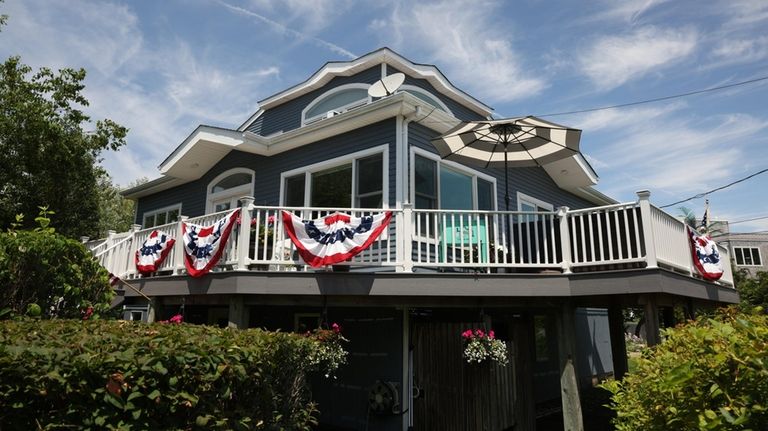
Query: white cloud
pixel 682 155
pixel 160 92
pixel 309 15
pixel 629 11
pixel 285 30
pixel 732 51
pixel 613 60
pixel 614 119
pixel 743 13
pixel 469 44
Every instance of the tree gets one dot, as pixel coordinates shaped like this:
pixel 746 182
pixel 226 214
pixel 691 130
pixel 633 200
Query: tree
pixel 689 218
pixel 753 290
pixel 53 157
pixel 115 211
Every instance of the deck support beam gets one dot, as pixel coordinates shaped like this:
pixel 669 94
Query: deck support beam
pixel 238 312
pixel 618 342
pixel 569 385
pixel 652 334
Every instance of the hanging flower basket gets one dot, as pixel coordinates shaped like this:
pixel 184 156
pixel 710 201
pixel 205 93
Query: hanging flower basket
pixel 480 346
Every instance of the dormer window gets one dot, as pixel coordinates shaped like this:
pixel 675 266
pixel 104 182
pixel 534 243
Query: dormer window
pixel 426 96
pixel 335 101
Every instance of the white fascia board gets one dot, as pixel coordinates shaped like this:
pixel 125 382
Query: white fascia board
pixel 571 173
pixel 250 120
pixel 330 70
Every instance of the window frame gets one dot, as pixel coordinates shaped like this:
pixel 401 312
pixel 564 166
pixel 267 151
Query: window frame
pixel 535 202
pixel 741 249
pixel 155 212
pixel 233 194
pixel 451 165
pixel 319 99
pixel 351 158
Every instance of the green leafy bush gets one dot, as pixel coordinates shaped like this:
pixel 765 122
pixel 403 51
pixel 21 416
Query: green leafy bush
pixel 116 374
pixel 45 274
pixel 710 374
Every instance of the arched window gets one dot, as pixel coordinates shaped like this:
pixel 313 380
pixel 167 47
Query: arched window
pixel 335 101
pixel 426 96
pixel 226 189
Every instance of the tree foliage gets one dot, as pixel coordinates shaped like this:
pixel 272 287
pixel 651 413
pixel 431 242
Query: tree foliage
pixel 53 157
pixel 45 274
pixel 710 374
pixel 103 374
pixel 115 212
pixel 752 289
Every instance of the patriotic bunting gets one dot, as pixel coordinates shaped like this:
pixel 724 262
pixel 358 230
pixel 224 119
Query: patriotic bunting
pixel 706 259
pixel 334 238
pixel 204 245
pixel 153 252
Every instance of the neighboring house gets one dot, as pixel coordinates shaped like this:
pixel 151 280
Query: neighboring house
pixel 748 249
pixel 551 277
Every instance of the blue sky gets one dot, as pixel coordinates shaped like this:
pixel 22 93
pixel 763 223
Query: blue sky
pixel 163 67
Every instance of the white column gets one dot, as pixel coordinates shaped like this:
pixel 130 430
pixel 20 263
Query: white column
pixel 178 260
pixel 565 239
pixel 643 199
pixel 406 235
pixel 244 238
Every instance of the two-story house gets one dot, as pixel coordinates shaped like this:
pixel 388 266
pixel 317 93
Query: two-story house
pixel 452 257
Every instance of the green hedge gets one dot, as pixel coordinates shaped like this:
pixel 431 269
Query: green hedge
pixel 123 375
pixel 710 374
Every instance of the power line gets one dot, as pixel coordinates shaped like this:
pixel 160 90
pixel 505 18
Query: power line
pixel 658 99
pixel 701 195
pixel 749 219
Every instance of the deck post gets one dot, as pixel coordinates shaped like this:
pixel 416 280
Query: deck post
pixel 405 232
pixel 565 239
pixel 618 341
pixel 244 238
pixel 569 385
pixel 178 261
pixel 651 309
pixel 238 312
pixel 643 200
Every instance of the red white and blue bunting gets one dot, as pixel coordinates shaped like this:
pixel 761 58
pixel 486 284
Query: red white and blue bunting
pixel 204 245
pixel 335 238
pixel 706 259
pixel 153 252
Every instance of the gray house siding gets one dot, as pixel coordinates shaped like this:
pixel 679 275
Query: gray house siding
pixel 287 116
pixel 192 196
pixel 534 182
pixel 459 111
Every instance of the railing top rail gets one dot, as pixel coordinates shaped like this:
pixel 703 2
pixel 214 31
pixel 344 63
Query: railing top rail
pixel 171 225
pixel 128 237
pixel 482 212
pixel 666 214
pixel 276 208
pixel 604 208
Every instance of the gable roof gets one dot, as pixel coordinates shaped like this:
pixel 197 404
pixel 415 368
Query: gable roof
pixel 332 69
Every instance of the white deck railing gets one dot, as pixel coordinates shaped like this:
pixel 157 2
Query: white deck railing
pixel 627 235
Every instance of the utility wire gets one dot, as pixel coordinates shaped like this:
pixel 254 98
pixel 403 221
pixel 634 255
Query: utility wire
pixel 749 219
pixel 658 99
pixel 701 195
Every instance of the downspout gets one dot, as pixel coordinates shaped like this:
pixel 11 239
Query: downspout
pixel 407 119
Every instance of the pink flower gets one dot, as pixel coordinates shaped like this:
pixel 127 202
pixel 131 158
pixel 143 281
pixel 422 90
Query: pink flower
pixel 491 334
pixel 336 328
pixel 467 333
pixel 176 319
pixel 479 333
pixel 271 220
pixel 88 313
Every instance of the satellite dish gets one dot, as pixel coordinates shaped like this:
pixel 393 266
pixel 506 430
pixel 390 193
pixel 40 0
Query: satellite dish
pixel 387 86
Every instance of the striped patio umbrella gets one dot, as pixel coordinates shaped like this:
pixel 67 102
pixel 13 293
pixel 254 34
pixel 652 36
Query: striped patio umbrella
pixel 511 142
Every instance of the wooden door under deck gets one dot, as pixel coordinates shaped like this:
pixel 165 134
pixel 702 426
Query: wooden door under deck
pixel 455 395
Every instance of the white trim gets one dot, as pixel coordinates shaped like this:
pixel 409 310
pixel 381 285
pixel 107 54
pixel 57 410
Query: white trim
pixel 463 169
pixel 429 73
pixel 742 247
pixel 522 197
pixel 155 212
pixel 250 120
pixel 340 109
pixel 415 89
pixel 399 170
pixel 338 161
pixel 233 193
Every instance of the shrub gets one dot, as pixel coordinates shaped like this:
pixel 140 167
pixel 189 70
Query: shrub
pixel 116 374
pixel 710 374
pixel 46 274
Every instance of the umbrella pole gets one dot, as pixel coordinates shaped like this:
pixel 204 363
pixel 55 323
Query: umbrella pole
pixel 506 200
